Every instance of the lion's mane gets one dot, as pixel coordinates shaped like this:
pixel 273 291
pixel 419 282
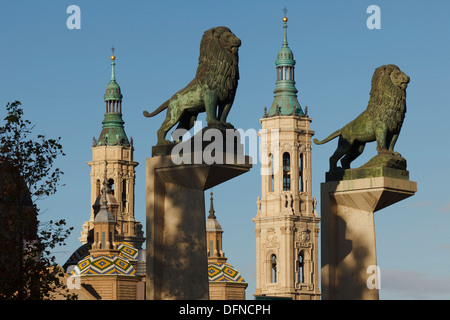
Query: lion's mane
pixel 387 101
pixel 217 66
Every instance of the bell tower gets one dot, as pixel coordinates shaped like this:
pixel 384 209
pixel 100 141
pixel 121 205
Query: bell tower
pixel 286 223
pixel 112 156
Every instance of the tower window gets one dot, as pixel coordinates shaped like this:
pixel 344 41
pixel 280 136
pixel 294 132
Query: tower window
pixel 211 248
pixel 274 268
pixel 286 172
pixel 124 194
pixel 271 174
pixel 111 185
pixel 103 246
pixel 300 173
pixel 300 269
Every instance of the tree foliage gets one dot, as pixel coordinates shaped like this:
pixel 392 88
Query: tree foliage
pixel 27 174
pixel 33 157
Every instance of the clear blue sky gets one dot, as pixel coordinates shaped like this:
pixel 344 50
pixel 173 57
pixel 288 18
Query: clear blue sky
pixel 60 76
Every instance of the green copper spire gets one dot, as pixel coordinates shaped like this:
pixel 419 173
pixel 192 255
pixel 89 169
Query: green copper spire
pixel 113 132
pixel 285 101
pixel 285 43
pixel 113 72
pixel 113 89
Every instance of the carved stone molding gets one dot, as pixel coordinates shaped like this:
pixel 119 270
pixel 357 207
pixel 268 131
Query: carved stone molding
pixel 271 239
pixel 303 238
pixel 289 230
pixel 285 147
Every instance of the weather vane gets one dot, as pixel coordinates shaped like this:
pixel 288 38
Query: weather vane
pixel 285 19
pixel 113 57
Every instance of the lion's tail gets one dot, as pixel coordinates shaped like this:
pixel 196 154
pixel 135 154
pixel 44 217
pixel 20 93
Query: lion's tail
pixel 154 113
pixel 330 137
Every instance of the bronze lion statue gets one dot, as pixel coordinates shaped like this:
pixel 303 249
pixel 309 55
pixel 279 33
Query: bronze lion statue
pixel 380 122
pixel 212 90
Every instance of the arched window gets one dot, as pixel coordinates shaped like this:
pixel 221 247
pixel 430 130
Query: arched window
pixel 300 173
pixel 288 73
pixel 271 174
pixel 274 268
pixel 300 269
pixel 124 194
pixel 103 245
pixel 211 248
pixel 111 185
pixel 286 172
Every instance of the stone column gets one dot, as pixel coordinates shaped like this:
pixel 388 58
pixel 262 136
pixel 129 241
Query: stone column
pixel 177 267
pixel 348 233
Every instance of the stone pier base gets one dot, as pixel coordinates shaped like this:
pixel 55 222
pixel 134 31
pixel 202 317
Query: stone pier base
pixel 348 253
pixel 177 267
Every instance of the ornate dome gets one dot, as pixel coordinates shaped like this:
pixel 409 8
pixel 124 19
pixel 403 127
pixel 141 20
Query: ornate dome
pixel 213 225
pixel 127 252
pixel 285 57
pixel 224 272
pixel 113 91
pixel 101 265
pixel 79 254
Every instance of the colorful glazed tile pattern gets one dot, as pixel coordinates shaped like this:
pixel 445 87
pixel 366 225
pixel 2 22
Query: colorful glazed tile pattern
pixel 79 254
pixel 104 265
pixel 218 272
pixel 127 251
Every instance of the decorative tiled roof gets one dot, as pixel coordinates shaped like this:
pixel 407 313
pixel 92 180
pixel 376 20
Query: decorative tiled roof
pixel 101 265
pixel 127 252
pixel 79 254
pixel 223 272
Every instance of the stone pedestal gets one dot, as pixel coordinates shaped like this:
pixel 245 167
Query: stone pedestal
pixel 177 266
pixel 348 233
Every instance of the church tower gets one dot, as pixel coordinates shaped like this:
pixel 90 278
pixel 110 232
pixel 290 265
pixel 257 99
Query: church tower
pixel 225 282
pixel 286 223
pixel 112 153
